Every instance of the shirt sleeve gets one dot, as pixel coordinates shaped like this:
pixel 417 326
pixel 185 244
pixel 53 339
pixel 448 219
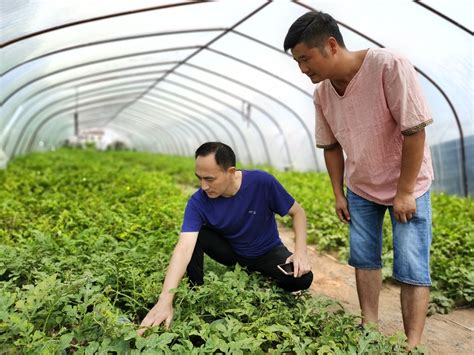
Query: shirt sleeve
pixel 405 98
pixel 280 201
pixel 192 221
pixel 324 136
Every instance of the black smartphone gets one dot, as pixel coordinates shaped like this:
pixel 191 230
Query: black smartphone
pixel 287 268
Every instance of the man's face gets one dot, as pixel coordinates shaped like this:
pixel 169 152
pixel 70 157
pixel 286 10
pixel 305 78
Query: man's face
pixel 313 62
pixel 214 181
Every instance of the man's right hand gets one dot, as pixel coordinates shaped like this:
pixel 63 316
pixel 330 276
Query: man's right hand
pixel 163 309
pixel 341 209
pixel 161 312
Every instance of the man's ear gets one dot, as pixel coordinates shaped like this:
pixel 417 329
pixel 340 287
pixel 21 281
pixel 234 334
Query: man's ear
pixel 332 45
pixel 231 170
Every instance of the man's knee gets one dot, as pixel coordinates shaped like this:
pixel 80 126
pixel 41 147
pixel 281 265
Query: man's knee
pixel 292 284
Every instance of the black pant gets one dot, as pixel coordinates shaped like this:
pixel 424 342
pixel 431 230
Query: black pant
pixel 219 249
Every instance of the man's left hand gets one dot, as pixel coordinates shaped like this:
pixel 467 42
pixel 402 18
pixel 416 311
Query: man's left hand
pixel 404 206
pixel 301 264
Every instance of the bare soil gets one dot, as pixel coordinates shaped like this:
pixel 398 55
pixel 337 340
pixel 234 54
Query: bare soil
pixel 444 334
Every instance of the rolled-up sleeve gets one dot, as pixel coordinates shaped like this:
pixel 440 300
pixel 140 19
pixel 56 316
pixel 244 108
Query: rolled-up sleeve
pixel 405 98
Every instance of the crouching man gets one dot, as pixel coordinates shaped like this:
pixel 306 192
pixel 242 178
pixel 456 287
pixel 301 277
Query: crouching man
pixel 231 218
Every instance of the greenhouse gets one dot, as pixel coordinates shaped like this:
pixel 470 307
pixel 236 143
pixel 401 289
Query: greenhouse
pixel 102 107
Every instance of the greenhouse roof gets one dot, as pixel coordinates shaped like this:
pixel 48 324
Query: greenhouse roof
pixel 166 76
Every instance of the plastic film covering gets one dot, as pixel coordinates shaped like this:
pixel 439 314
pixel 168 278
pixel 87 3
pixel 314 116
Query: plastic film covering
pixel 165 76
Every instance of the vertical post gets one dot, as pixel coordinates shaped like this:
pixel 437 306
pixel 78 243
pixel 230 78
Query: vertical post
pixel 3 159
pixel 76 115
pixel 76 124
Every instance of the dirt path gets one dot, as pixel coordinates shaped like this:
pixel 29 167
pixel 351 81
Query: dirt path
pixel 444 334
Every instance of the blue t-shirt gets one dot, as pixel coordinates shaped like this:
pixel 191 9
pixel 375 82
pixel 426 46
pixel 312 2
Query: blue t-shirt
pixel 246 219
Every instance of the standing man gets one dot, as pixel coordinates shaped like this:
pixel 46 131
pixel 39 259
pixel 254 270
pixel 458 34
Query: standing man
pixel 231 218
pixel 369 105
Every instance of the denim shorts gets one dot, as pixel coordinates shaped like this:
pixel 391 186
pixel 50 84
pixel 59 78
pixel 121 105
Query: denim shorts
pixel 411 240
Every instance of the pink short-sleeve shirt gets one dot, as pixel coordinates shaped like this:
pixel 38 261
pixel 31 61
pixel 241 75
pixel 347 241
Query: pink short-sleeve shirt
pixel 382 103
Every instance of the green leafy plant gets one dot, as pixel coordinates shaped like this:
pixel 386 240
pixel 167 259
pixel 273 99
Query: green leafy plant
pixel 86 238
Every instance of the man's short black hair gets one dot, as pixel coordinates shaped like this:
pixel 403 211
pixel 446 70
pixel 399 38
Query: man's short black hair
pixel 312 29
pixel 224 155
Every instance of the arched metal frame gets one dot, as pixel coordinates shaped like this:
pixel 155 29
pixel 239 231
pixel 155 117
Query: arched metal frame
pixel 119 77
pixel 182 75
pixel 124 13
pixel 447 18
pixel 106 118
pixel 230 107
pixel 232 29
pixel 185 119
pixel 206 47
pixel 101 80
pixel 138 144
pixel 72 97
pixel 147 134
pixel 255 106
pixel 70 109
pixel 308 133
pixel 168 106
pixel 91 82
pixel 186 103
pixel 39 112
pixel 182 142
pixel 146 117
pixel 48 104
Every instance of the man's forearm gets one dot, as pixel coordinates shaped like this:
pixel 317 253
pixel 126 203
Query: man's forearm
pixel 176 269
pixel 412 157
pixel 335 164
pixel 299 228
